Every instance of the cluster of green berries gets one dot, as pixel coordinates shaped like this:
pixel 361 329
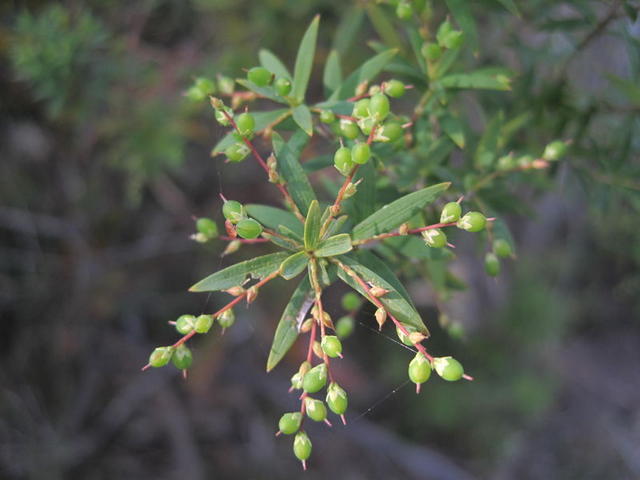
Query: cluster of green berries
pixel 501 249
pixel 238 221
pixel 204 87
pixel 406 9
pixel 553 152
pixel 452 213
pixel 420 368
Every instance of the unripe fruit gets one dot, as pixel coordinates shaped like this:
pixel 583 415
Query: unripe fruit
pixel 221 118
pixel 331 346
pixel 379 106
pixel 315 379
pixel 201 88
pixel 555 150
pixel 282 86
pixel 448 368
pixel 226 84
pixel 349 129
pixel 233 211
pixel 507 162
pixel 246 124
pixel 472 222
pixel 360 153
pixel 237 152
pixel 203 323
pixel 182 358
pixel 315 409
pixel 342 160
pixel 185 324
pixel 502 248
pixel 431 51
pixel 160 356
pixel 451 212
pixel 337 399
pixel 404 10
pixel 249 228
pixel 260 76
pixel 392 131
pixel 394 88
pixel 227 318
pixel 327 116
pixel 207 227
pixel 361 108
pixel 435 238
pixel 296 381
pixel 290 423
pixel 453 40
pixel 491 264
pixel 344 327
pixel 350 301
pixel 419 369
pixel 405 338
pixel 302 446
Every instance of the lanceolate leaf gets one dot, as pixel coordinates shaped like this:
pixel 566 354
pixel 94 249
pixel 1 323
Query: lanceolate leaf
pixel 272 63
pixel 486 152
pixel 304 61
pixel 302 116
pixel 256 268
pixel 486 78
pixel 396 213
pixel 393 301
pixel 262 119
pixel 365 72
pixel 383 26
pixel 273 217
pixel 454 128
pixel 336 245
pixel 511 6
pixel 312 226
pixel 291 171
pixel 332 76
pixel 294 265
pixel 287 330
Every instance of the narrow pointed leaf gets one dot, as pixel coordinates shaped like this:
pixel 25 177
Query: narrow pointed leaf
pixel 366 72
pixel 272 63
pixel 336 245
pixel 483 79
pixel 396 213
pixel 302 116
pixel 511 6
pixel 332 76
pixel 287 330
pixel 375 264
pixel 256 268
pixel 273 217
pixel 294 265
pixel 350 23
pixel 486 152
pixel 312 226
pixel 291 171
pixel 382 25
pixel 262 119
pixel 454 128
pixel 304 60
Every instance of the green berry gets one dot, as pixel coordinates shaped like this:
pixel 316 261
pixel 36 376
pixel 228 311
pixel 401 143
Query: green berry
pixel 226 84
pixel 282 86
pixel 360 153
pixel 451 212
pixel 507 162
pixel 472 222
pixel 233 211
pixel 379 106
pixel 342 160
pixel 185 324
pixel 182 358
pixel 315 379
pixel 404 10
pixel 555 150
pixel 260 76
pixel 290 423
pixel 435 238
pixel 419 369
pixel 237 152
pixel 405 338
pixel 331 346
pixel 222 119
pixel 246 124
pixel 315 409
pixel 207 227
pixel 394 88
pixel 337 399
pixel 431 51
pixel 491 264
pixel 201 88
pixel 327 116
pixel 361 108
pixel 203 323
pixel 160 356
pixel 344 327
pixel 349 129
pixel 392 131
pixel 350 301
pixel 302 446
pixel 448 368
pixel 227 318
pixel 452 40
pixel 502 248
pixel 249 228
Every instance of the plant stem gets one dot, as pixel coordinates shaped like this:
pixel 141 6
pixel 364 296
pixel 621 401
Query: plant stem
pixel 397 234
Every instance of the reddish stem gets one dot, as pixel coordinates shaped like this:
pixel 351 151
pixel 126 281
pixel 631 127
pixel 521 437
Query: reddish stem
pixel 396 234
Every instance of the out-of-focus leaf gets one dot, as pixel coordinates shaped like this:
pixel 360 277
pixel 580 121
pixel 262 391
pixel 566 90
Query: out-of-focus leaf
pixel 257 268
pixel 461 10
pixel 294 265
pixel 384 27
pixel 364 73
pixel 273 217
pixel 454 128
pixel 511 6
pixel 272 63
pixel 485 78
pixel 262 119
pixel 312 226
pixel 332 76
pixel 348 27
pixel 336 245
pixel 266 92
pixel 291 171
pixel 304 60
pixel 396 213
pixel 287 330
pixel 631 90
pixel 501 231
pixel 375 264
pixel 302 116
pixel 416 41
pixel 486 152
pixel 446 62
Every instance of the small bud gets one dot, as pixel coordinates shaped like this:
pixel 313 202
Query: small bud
pixel 378 291
pixel 216 103
pixel 235 291
pixel 555 150
pixel 306 325
pixel 252 294
pixel 374 89
pixel 315 409
pixel 203 323
pixel 296 381
pixel 405 338
pixel 326 320
pixel 362 88
pixel 416 337
pixel 232 247
pixel 304 368
pixel 227 318
pixel 448 368
pixel 539 164
pixel 349 191
pixel 230 229
pixel 381 317
pixel 317 350
pixel 404 229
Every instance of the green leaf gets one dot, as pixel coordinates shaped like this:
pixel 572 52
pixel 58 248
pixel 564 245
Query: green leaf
pixel 304 61
pixel 461 10
pixel 393 301
pixel 375 264
pixel 294 265
pixel 332 76
pixel 273 217
pixel 364 73
pixel 284 241
pixel 302 116
pixel 291 171
pixel 350 22
pixel 272 63
pixel 485 78
pixel 396 213
pixel 336 245
pixel 629 89
pixel 312 226
pixel 287 330
pixel 511 6
pixel 256 268
pixel 454 128
pixel 266 92
pixel 382 25
pixel 262 119
pixel 486 152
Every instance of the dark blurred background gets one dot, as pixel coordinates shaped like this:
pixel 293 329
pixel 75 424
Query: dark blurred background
pixel 104 163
